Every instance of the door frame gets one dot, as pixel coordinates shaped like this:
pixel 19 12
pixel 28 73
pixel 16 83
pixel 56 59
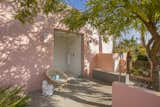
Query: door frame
pixel 82 46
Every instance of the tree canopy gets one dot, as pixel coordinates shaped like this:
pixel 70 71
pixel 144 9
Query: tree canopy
pixel 113 17
pixel 26 10
pixel 110 17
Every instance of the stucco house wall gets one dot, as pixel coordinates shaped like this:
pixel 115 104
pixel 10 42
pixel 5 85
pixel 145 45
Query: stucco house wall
pixel 107 47
pixel 26 51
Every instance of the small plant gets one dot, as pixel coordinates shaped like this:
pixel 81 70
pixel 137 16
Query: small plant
pixel 136 72
pixel 13 97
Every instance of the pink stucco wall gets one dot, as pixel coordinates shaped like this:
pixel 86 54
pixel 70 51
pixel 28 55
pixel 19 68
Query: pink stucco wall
pixel 105 62
pixel 101 61
pixel 26 51
pixel 24 56
pixel 127 96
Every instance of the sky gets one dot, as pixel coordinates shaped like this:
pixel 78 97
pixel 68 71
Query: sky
pixel 78 4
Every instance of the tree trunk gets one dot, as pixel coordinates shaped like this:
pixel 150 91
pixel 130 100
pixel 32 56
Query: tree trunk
pixel 152 53
pixel 153 46
pixel 154 62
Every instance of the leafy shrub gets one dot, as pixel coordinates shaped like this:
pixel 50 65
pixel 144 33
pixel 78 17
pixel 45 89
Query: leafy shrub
pixel 13 97
pixel 140 72
pixel 136 72
pixel 142 58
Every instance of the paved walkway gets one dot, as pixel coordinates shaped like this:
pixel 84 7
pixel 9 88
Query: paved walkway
pixel 80 93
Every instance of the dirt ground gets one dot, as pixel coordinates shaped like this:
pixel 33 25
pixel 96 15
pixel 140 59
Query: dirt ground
pixel 79 93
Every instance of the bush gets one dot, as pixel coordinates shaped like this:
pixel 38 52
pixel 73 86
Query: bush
pixel 13 97
pixel 142 58
pixel 136 72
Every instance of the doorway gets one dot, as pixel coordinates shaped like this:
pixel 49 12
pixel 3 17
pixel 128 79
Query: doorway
pixel 68 52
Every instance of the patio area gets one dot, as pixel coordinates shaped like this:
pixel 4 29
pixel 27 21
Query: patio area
pixel 79 93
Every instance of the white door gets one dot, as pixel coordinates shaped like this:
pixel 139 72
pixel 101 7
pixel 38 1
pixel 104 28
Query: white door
pixel 74 55
pixel 67 53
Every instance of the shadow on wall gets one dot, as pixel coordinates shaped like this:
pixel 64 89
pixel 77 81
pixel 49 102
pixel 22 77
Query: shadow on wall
pixel 25 50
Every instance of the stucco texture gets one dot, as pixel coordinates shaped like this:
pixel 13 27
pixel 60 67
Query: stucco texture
pixel 26 50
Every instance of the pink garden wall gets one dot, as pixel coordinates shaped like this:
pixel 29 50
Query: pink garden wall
pixel 104 62
pixel 26 51
pixel 107 62
pixel 129 96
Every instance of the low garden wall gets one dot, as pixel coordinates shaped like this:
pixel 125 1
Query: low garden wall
pixel 129 96
pixel 105 62
pixel 106 66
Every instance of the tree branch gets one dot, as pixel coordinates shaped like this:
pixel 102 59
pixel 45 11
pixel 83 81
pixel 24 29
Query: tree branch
pixel 143 40
pixel 138 16
pixel 153 30
pixel 150 26
pixel 150 42
pixel 155 48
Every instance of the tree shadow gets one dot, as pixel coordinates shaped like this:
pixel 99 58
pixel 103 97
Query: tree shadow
pixel 79 92
pixel 87 92
pixel 25 50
